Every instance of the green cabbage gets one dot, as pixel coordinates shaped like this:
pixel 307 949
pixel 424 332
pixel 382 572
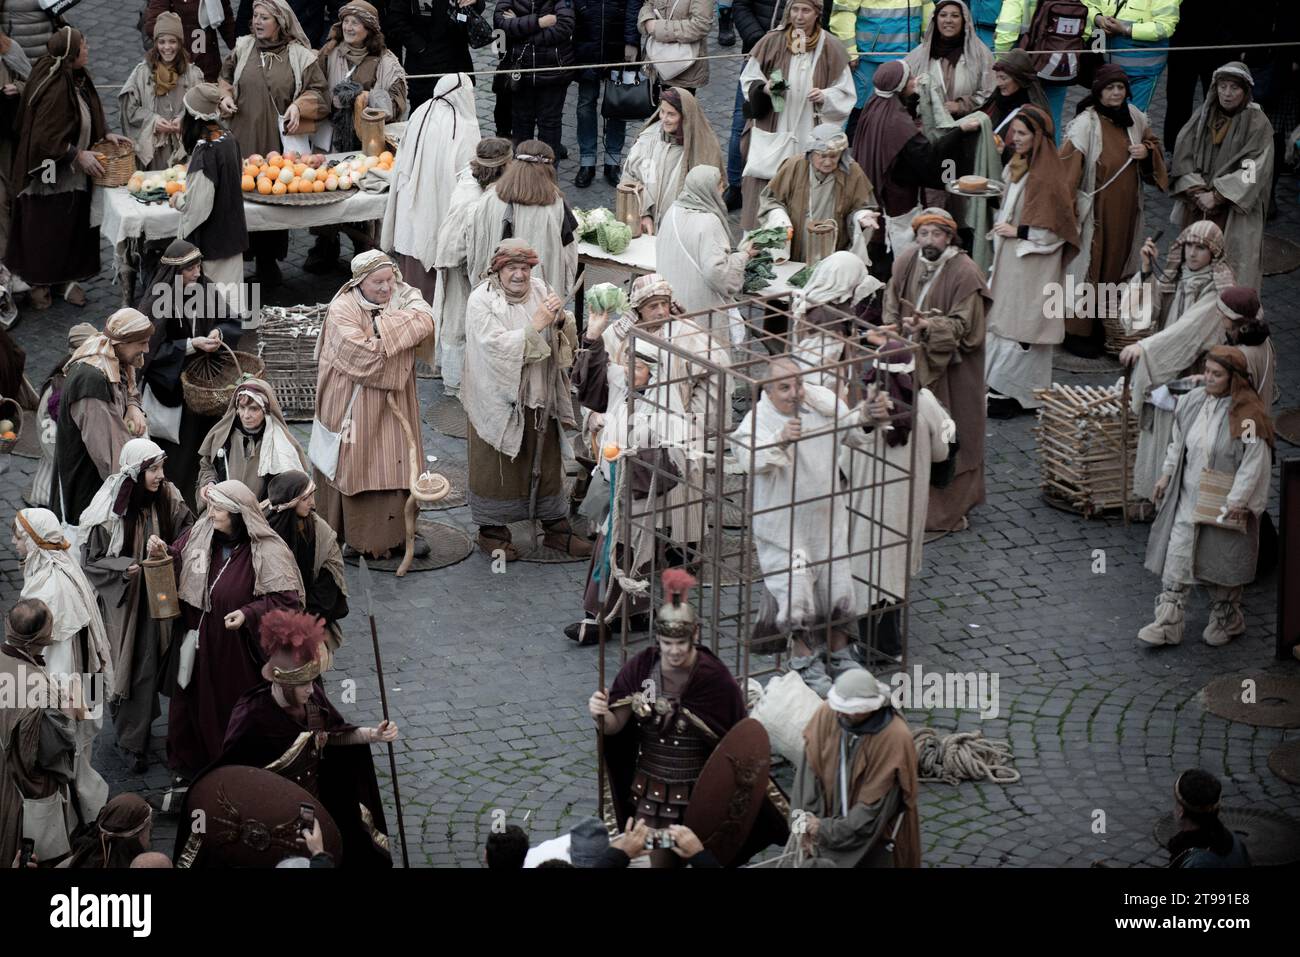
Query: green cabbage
pixel 607 297
pixel 800 279
pixel 589 221
pixel 613 236
pixel 767 238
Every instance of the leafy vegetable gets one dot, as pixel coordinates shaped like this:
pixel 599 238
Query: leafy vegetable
pixel 589 221
pixel 768 238
pixel 777 87
pixel 613 236
pixel 800 279
pixel 607 297
pixel 759 272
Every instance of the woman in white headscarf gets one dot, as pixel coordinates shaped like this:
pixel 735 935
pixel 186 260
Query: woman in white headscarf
pixel 232 569
pixel 375 325
pixel 694 250
pixel 440 139
pixel 842 283
pixel 80 643
pixel 134 502
pixel 954 59
pixel 251 442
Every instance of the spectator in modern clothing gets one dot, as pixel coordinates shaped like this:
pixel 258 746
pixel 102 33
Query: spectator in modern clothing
pixel 603 33
pixel 435 37
pixel 540 34
pixel 28 23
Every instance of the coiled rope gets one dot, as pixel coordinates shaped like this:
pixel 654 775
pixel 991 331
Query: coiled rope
pixel 963 756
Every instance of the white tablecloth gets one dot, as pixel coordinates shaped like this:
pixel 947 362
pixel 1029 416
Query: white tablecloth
pixel 120 217
pixel 639 258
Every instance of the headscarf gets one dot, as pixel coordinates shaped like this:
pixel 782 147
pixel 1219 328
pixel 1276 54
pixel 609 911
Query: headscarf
pixel 1210 126
pixel 110 503
pixel 369 18
pixel 283 494
pixel 290 29
pixel 1246 405
pixel 52 574
pixel 829 138
pixel 700 194
pixel 649 286
pixel 949 48
pixel 935 216
pixel 170 301
pixel 274 568
pixel 1049 196
pixel 48 114
pixel 885 125
pixel 1018 65
pixel 811 39
pixel 841 277
pixel 1107 74
pixel 513 251
pixel 898 380
pixel 279 451
pixel 363 264
pixel 125 325
pixel 694 135
pixel 1204 232
pixel 114 841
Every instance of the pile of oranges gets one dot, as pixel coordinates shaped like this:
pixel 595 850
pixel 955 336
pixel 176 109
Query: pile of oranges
pixel 290 173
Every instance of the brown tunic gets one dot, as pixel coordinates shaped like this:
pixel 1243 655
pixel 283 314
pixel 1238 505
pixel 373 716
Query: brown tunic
pixel 266 89
pixel 790 187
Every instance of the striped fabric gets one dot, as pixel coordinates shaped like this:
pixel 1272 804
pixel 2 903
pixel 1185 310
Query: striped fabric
pixel 887 29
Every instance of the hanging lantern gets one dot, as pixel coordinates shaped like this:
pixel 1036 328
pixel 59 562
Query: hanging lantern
pixel 160 586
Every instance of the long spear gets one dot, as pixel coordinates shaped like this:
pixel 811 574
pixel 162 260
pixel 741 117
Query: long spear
pixel 383 701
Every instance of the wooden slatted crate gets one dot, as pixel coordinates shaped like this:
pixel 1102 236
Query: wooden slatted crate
pixel 1081 436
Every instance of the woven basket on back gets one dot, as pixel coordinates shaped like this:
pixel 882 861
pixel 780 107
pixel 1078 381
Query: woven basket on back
pixel 211 380
pixel 119 163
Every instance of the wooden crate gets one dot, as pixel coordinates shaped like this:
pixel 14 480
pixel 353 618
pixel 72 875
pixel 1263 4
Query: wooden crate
pixel 1081 435
pixel 286 342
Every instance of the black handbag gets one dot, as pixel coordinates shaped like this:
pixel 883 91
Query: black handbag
pixel 627 101
pixel 478 29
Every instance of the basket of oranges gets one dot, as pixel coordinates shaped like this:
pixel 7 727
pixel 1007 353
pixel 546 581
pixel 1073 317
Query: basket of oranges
pixel 11 424
pixel 297 179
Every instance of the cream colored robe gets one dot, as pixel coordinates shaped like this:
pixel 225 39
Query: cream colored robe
pixel 539 226
pixel 140 109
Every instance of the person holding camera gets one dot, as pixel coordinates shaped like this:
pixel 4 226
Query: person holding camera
pixel 520 342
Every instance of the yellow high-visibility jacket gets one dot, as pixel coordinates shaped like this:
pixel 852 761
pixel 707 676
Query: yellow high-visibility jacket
pixel 1153 20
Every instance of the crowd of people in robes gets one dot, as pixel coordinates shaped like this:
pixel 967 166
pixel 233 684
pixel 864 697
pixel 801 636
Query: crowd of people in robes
pixel 930 310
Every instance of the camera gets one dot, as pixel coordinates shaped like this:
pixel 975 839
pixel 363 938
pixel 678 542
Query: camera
pixel 659 839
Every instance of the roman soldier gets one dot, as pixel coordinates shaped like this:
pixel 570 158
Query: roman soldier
pixel 288 725
pixel 664 715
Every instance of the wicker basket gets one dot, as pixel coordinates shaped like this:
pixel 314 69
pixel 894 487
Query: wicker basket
pixel 9 409
pixel 1117 337
pixel 209 382
pixel 286 342
pixel 118 166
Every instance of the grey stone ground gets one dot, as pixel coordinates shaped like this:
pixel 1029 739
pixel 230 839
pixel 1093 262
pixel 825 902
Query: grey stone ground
pixel 491 697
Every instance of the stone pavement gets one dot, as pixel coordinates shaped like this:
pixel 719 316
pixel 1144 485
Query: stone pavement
pixel 491 698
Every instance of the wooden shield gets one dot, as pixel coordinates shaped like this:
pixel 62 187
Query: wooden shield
pixel 731 789
pixel 250 818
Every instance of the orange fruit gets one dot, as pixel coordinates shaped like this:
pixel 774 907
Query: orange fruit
pixel 247 184
pixel 385 157
pixel 279 189
pixel 174 187
pixel 264 171
pixel 274 158
pixel 299 169
pixel 263 185
pixel 318 186
pixel 293 185
pixel 8 436
pixel 251 170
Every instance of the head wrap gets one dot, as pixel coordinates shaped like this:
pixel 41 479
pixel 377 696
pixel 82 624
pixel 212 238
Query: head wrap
pixel 283 493
pixel 79 334
pixel 1234 70
pixel 649 286
pixel 296 647
pixel 125 325
pixel 30 640
pixel 840 278
pixel 274 569
pixel 290 29
pixel 53 574
pixel 813 36
pixel 935 216
pixel 110 503
pixel 1049 195
pixel 168 24
pixel 830 138
pixel 113 841
pixel 1239 302
pixel 700 146
pixel 363 11
pixel 203 101
pixel 947 48
pixel 856 691
pixel 1017 65
pixel 1107 74
pixel 279 451
pixel 512 251
pixel 700 194
pixel 1205 233
pixel 181 253
pixel 890 78
pixel 1246 405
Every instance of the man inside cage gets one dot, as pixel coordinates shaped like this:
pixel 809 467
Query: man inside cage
pixel 938 299
pixel 790 443
pixel 655 442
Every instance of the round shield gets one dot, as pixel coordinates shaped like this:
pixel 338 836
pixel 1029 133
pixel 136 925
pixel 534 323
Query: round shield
pixel 249 817
pixel 730 791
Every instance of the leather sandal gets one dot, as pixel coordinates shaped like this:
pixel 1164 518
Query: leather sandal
pixel 489 546
pixel 563 540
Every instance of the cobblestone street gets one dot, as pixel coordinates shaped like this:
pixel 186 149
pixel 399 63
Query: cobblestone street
pixel 491 698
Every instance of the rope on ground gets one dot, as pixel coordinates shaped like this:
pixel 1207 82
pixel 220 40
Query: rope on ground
pixel 963 756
